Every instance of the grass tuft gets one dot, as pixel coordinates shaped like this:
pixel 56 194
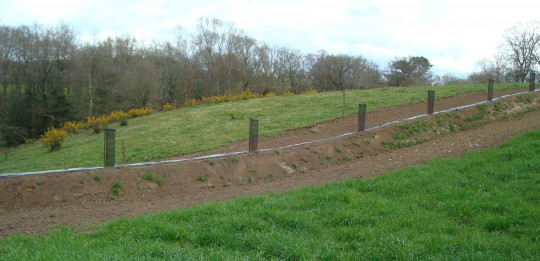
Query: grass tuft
pixel 202 178
pixel 116 188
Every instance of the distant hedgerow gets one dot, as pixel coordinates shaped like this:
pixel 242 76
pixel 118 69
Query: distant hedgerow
pixel 169 106
pixel 138 112
pixel 117 116
pixel 73 126
pixel 54 138
pixel 190 102
pixel 97 123
pixel 310 92
pixel 270 94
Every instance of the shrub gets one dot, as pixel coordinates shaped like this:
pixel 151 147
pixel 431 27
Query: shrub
pixel 287 93
pixel 117 116
pixel 214 99
pixel 169 106
pixel 190 102
pixel 270 94
pixel 140 112
pixel 97 123
pixel 73 126
pixel 53 139
pixel 248 94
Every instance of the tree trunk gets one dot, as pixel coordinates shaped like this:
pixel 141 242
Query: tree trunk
pixel 90 95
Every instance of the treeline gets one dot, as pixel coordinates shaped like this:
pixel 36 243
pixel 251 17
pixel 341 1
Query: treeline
pixel 48 76
pixel 517 55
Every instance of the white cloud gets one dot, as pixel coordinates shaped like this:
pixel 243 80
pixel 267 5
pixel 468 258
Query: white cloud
pixel 453 34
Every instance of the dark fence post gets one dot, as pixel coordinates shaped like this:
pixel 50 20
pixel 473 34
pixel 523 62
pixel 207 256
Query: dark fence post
pixel 109 147
pixel 253 135
pixel 490 89
pixel 431 101
pixel 532 81
pixel 362 108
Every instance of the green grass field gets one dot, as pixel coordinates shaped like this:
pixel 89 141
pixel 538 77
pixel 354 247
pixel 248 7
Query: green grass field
pixel 203 127
pixel 483 206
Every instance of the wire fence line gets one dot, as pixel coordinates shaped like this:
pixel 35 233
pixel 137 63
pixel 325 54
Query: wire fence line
pixel 221 155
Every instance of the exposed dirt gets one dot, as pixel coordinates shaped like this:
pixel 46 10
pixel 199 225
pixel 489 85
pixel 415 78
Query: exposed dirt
pixel 35 204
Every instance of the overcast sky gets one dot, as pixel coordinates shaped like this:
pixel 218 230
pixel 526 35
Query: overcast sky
pixel 453 34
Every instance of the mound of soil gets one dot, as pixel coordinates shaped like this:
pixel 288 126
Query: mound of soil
pixel 35 204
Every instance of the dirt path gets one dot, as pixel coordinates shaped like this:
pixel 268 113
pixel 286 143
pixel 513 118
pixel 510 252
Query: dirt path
pixel 33 205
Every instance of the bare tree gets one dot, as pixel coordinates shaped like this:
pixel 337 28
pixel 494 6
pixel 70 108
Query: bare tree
pixel 209 49
pixel 331 71
pixel 521 46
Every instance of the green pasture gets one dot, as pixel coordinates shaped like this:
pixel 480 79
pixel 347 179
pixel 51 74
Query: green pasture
pixel 204 127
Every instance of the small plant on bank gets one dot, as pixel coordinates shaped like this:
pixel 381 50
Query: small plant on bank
pixel 498 107
pixel 96 177
pixel 124 122
pixel 453 126
pixel 482 109
pixel 159 181
pixel 440 120
pixel 249 180
pixel 53 139
pixel 234 159
pixel 202 178
pixel 212 162
pixel 359 155
pixel 151 177
pixel 116 187
pixel 405 131
pixel 251 171
pixel 271 176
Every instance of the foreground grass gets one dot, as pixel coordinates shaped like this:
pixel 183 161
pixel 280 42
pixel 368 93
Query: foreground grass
pixel 204 127
pixel 484 206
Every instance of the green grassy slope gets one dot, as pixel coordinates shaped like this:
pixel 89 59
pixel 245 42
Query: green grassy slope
pixel 203 127
pixel 484 206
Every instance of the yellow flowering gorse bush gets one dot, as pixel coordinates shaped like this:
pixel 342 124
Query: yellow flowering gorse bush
pixel 170 106
pixel 97 123
pixel 54 138
pixel 73 126
pixel 138 112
